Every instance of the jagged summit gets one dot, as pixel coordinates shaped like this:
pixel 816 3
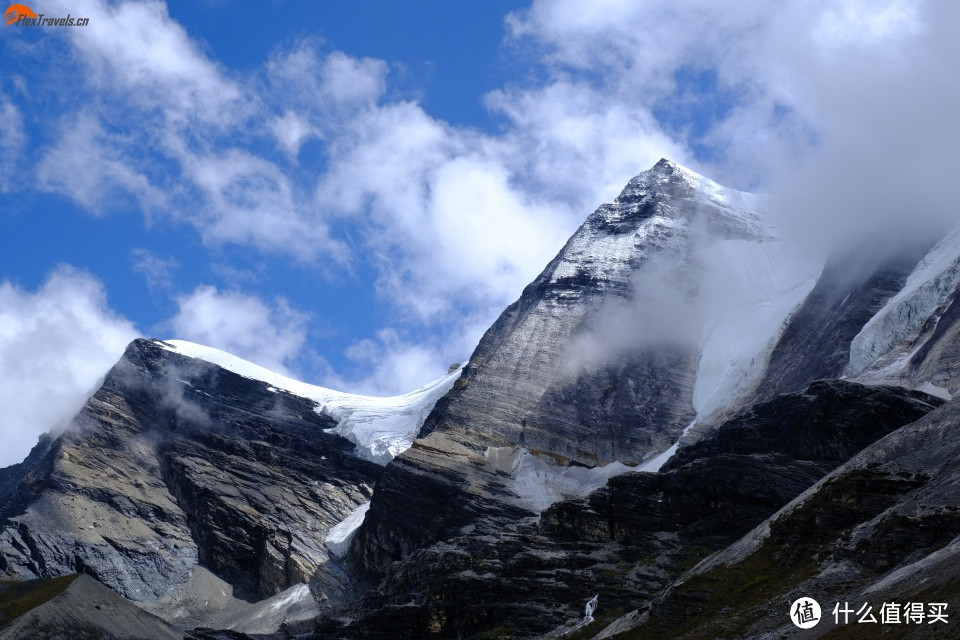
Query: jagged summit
pixel 718 205
pixel 665 169
pixel 655 213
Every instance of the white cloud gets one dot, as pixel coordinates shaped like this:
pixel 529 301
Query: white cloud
pixel 291 131
pixel 90 167
pixel 55 345
pixel 392 364
pixel 572 143
pixel 157 271
pixel 459 218
pixel 456 221
pixel 250 201
pixel 395 366
pixel 137 49
pixel 271 336
pixel 313 82
pixel 855 22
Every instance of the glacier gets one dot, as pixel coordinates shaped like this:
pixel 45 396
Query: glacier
pixel 881 351
pixel 757 286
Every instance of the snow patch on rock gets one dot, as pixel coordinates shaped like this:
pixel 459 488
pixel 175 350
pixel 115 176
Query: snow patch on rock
pixel 339 537
pixel 539 484
pixel 934 390
pixel 295 594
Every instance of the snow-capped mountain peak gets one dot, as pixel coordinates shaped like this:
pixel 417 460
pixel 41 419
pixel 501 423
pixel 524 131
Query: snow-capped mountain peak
pixel 690 187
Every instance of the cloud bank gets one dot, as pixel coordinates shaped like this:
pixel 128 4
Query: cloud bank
pixel 56 343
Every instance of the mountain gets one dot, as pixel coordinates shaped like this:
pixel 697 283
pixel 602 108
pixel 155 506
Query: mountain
pixel 684 418
pixel 180 476
pixel 599 364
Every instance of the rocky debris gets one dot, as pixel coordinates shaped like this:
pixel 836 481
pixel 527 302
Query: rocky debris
pixel 628 540
pixel 176 463
pixel 85 610
pixel 207 601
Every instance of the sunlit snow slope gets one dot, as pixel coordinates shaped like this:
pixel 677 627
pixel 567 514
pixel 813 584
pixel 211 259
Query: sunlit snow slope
pixel 381 427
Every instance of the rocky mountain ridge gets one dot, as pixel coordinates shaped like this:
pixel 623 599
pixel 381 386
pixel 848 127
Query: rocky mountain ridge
pixel 619 423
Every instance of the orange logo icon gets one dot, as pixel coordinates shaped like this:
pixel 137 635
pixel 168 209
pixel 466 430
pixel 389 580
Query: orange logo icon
pixel 15 11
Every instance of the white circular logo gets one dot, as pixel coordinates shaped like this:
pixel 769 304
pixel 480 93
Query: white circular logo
pixel 805 613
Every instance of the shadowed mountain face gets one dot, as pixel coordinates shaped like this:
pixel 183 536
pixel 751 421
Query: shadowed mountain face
pixel 76 607
pixel 228 506
pixel 630 538
pixel 883 527
pixel 175 462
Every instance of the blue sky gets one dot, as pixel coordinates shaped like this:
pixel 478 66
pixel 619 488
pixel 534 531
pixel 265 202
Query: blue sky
pixel 352 192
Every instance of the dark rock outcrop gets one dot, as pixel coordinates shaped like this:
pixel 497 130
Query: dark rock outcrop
pixel 11 476
pixel 627 540
pixel 816 343
pixel 884 527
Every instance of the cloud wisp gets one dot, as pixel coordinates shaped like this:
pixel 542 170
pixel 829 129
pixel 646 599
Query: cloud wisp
pixel 271 335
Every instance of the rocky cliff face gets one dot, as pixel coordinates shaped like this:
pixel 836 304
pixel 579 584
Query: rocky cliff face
pixel 881 528
pixel 174 463
pixel 816 344
pixel 623 396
